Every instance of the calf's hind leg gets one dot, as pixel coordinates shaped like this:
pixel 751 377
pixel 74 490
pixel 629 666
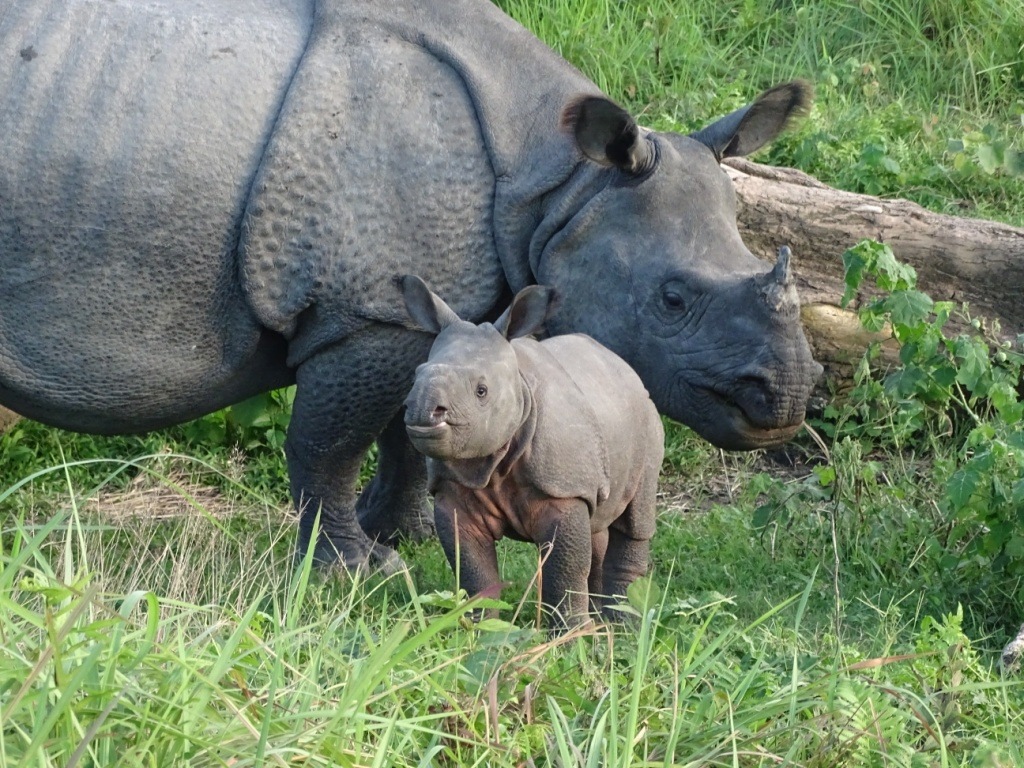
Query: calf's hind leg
pixel 625 561
pixel 629 545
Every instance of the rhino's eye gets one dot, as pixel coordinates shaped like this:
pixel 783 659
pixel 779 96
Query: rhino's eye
pixel 481 391
pixel 673 301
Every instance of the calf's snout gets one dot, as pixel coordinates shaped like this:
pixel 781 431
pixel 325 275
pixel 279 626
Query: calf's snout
pixel 429 402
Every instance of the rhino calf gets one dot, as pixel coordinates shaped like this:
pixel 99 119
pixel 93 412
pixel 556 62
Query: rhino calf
pixel 555 442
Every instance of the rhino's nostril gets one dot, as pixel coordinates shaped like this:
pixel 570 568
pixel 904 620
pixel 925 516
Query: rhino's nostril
pixel 439 414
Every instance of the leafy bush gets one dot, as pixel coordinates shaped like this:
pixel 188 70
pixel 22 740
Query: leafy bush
pixel 966 386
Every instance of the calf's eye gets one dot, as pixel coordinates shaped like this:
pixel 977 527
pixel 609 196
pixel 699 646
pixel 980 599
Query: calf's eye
pixel 481 390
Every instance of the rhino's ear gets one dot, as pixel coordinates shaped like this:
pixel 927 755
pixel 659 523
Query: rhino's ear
pixel 426 308
pixel 758 123
pixel 528 312
pixel 607 134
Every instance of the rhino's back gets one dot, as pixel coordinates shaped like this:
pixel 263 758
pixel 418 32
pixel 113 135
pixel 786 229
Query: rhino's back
pixel 129 136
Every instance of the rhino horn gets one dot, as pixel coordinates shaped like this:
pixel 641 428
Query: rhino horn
pixel 780 274
pixel 777 285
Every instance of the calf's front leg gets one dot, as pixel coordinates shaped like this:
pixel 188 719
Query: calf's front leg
pixel 563 534
pixel 468 545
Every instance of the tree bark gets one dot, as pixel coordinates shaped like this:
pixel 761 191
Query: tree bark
pixel 957 259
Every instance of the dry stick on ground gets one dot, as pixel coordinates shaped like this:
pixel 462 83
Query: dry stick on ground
pixel 957 259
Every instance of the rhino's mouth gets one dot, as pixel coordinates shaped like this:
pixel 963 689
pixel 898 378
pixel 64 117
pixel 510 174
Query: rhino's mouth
pixel 428 431
pixel 737 431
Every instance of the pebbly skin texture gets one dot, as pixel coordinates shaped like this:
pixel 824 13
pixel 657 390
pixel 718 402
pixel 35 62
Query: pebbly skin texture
pixel 554 442
pixel 202 200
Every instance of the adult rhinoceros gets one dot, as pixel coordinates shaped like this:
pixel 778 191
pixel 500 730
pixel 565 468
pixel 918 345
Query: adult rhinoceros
pixel 201 200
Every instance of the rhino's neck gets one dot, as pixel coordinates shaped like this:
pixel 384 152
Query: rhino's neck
pixel 519 88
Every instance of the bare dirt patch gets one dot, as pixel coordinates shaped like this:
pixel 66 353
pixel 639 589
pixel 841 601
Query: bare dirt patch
pixel 175 492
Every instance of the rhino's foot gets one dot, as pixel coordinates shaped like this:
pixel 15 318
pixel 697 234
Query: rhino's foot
pixel 365 556
pixel 1013 652
pixel 392 517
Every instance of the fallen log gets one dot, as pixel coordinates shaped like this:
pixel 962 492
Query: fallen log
pixel 957 259
pixel 7 419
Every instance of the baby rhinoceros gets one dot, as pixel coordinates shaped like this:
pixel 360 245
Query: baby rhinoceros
pixel 554 442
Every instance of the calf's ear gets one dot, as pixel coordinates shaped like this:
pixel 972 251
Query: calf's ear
pixel 426 308
pixel 528 312
pixel 751 127
pixel 607 134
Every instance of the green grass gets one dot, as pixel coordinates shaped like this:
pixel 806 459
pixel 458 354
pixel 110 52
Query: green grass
pixel 222 654
pixel 818 615
pixel 899 84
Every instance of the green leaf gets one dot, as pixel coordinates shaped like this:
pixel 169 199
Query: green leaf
pixel 873 316
pixel 893 275
pixel 890 165
pixel 762 515
pixel 961 487
pixel 973 356
pixel 942 310
pixel 1017 496
pixel 826 475
pixel 855 261
pixel 643 594
pixel 252 412
pixel 909 307
pixel 989 158
pixel 1014 162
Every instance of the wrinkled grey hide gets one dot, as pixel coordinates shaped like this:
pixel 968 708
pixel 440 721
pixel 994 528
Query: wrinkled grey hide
pixel 554 442
pixel 201 200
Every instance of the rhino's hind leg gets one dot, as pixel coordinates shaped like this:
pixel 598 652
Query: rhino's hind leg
pixel 345 396
pixel 394 505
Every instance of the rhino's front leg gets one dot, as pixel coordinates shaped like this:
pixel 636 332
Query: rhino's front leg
pixel 564 537
pixel 394 505
pixel 345 396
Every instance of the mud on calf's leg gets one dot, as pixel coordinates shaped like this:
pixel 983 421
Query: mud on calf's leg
pixel 394 505
pixel 345 396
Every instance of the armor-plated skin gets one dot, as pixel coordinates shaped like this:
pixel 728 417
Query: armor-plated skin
pixel 201 200
pixel 554 442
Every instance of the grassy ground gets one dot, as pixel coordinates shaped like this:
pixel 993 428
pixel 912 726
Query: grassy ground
pixel 802 610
